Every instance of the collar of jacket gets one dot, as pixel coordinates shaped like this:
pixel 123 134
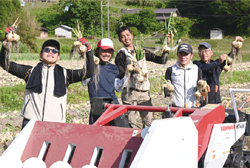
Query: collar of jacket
pixel 130 51
pixel 188 67
pixel 35 80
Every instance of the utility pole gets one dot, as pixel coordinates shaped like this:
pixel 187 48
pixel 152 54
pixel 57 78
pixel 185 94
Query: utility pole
pixel 101 19
pixel 102 16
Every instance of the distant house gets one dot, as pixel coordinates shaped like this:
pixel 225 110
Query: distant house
pixel 130 11
pixel 63 31
pixel 161 13
pixel 216 33
pixel 164 13
pixel 44 31
pixel 22 2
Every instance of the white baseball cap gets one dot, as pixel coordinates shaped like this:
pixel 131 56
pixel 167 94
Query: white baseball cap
pixel 106 44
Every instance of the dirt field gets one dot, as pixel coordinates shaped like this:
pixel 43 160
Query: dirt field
pixel 80 112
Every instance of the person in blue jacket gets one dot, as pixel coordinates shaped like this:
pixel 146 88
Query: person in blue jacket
pixel 105 80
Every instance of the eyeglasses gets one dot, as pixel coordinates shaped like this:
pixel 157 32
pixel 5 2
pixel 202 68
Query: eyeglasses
pixel 47 50
pixel 204 51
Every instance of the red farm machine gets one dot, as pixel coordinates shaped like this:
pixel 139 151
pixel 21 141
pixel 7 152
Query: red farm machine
pixel 206 137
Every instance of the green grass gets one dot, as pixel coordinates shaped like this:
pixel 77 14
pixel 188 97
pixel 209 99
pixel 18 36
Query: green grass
pixel 238 77
pixel 11 98
pixel 77 93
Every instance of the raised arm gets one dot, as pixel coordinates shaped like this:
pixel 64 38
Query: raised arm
pixel 120 60
pixel 76 75
pixel 207 67
pixel 157 59
pixel 21 71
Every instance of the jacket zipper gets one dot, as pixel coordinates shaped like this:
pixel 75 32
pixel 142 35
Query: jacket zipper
pixel 44 101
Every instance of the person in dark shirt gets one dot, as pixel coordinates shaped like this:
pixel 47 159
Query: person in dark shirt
pixel 211 69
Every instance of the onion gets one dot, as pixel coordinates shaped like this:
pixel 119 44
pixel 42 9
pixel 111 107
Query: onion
pixel 137 69
pixel 197 94
pixel 170 88
pixel 82 48
pixel 16 37
pixel 130 68
pixel 226 68
pixel 141 78
pixel 202 83
pixel 166 49
pixel 77 43
pixel 144 73
pixel 229 60
pixel 10 37
pixel 4 43
pixel 96 60
pixel 237 44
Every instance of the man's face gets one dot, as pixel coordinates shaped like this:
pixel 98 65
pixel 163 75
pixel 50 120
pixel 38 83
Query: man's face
pixel 126 38
pixel 184 58
pixel 205 54
pixel 50 55
pixel 105 55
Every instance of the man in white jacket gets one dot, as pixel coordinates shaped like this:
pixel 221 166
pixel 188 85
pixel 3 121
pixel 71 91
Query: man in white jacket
pixel 184 76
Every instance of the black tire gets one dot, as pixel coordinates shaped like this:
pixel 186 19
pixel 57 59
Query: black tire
pixel 238 161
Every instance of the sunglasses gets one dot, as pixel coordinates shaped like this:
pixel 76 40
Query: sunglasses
pixel 47 50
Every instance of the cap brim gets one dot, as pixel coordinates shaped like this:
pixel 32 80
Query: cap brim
pixel 107 48
pixel 185 51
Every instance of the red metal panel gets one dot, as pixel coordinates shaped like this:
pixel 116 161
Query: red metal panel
pixel 113 140
pixel 203 118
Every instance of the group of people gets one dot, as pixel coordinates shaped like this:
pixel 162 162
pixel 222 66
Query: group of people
pixel 47 82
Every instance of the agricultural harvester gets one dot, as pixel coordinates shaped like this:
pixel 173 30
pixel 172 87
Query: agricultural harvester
pixel 206 137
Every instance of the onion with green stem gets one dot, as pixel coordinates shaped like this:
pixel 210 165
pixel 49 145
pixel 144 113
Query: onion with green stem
pixel 11 37
pixel 169 30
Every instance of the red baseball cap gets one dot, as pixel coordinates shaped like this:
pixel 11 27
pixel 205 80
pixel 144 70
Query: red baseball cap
pixel 106 44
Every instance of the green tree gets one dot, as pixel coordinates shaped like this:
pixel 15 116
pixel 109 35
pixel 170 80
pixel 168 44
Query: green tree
pixel 148 21
pixel 87 12
pixel 27 29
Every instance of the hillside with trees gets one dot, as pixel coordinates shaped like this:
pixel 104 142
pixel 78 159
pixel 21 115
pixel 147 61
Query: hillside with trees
pixel 195 21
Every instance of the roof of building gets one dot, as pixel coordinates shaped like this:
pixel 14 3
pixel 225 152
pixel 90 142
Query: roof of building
pixel 218 29
pixel 157 11
pixel 130 11
pixel 64 26
pixel 166 10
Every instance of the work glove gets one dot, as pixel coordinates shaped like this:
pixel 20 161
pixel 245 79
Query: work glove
pixel 85 42
pixel 9 29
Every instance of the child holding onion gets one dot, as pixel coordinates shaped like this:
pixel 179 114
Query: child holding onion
pixel 136 92
pixel 211 69
pixel 46 83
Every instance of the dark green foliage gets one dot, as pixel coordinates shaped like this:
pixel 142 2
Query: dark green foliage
pixel 144 21
pixel 134 31
pixel 231 16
